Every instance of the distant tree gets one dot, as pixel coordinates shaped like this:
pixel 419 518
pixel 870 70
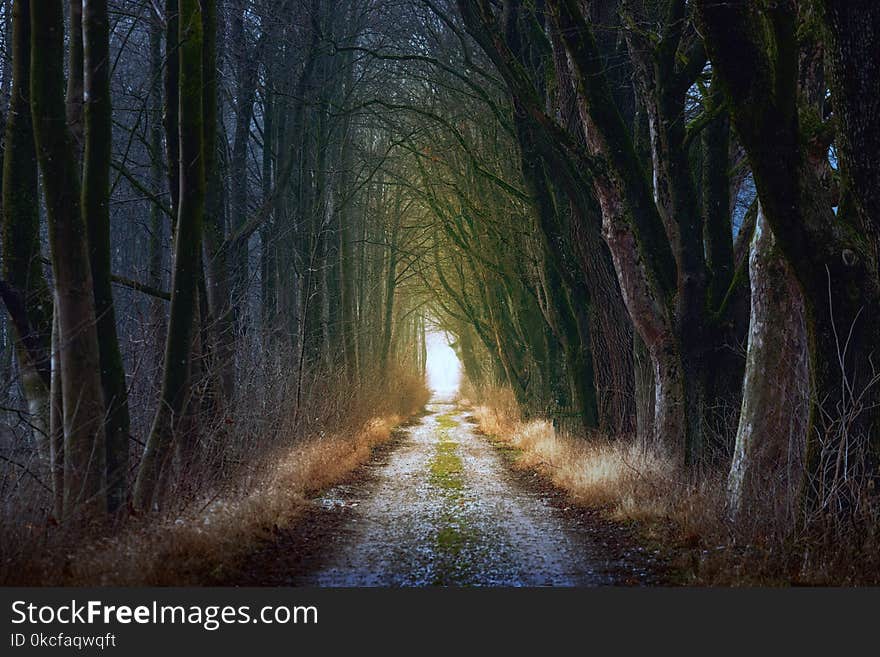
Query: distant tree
pixel 176 387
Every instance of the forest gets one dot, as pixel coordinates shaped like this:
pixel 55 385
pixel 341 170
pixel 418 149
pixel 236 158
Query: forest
pixel 239 238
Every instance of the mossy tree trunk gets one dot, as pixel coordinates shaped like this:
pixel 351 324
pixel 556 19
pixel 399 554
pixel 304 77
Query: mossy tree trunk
pixel 563 290
pixel 466 350
pixel 611 331
pixel 566 215
pixel 853 49
pixel 755 51
pixel 653 227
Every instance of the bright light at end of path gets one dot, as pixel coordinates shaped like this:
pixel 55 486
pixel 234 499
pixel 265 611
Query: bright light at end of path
pixel 444 370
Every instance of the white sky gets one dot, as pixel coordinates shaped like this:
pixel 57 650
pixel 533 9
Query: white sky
pixel 444 370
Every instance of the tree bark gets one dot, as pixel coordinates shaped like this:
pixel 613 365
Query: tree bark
pixel 222 260
pixel 75 81
pixel 56 420
pixel 22 262
pixel 175 380
pixel 390 286
pixel 85 449
pixel 98 141
pixel 172 100
pixel 768 458
pixel 157 220
pixel 854 58
pixel 654 228
pixel 755 52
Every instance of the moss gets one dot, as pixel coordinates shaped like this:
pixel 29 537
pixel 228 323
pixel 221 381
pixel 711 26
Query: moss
pixel 446 467
pixel 446 422
pixel 450 539
pixel 508 452
pixel 451 547
pixel 453 535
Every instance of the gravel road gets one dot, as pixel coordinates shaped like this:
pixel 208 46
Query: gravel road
pixel 443 509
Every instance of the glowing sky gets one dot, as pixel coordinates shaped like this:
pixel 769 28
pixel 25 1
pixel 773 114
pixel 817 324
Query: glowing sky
pixel 444 370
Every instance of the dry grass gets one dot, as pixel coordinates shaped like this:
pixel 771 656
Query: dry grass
pixel 620 476
pixel 684 513
pixel 198 545
pixel 279 461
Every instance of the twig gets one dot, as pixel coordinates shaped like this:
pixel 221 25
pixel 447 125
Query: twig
pixel 26 470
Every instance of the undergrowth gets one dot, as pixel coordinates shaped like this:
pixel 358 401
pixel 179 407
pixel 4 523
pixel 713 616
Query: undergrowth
pixel 684 512
pixel 206 528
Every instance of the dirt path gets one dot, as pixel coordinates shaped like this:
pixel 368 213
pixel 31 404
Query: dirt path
pixel 441 507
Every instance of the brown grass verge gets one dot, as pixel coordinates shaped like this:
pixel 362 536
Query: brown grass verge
pixel 682 513
pixel 199 545
pixel 208 533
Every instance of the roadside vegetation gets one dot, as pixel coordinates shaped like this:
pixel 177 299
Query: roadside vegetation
pixel 683 514
pixel 203 534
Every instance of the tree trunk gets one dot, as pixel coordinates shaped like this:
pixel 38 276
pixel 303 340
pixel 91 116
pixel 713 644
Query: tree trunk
pixel 644 391
pixel 172 101
pixel 75 81
pixel 388 306
pixel 85 449
pixel 346 237
pixel 22 264
pixel 227 264
pixel 755 52
pixel 175 381
pixel 96 213
pixel 157 220
pixel 269 289
pixel 56 421
pixel 771 437
pixel 653 232
pixel 854 57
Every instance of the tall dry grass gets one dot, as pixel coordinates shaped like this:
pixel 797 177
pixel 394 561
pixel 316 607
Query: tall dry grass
pixel 627 479
pixel 259 466
pixel 684 512
pixel 200 543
